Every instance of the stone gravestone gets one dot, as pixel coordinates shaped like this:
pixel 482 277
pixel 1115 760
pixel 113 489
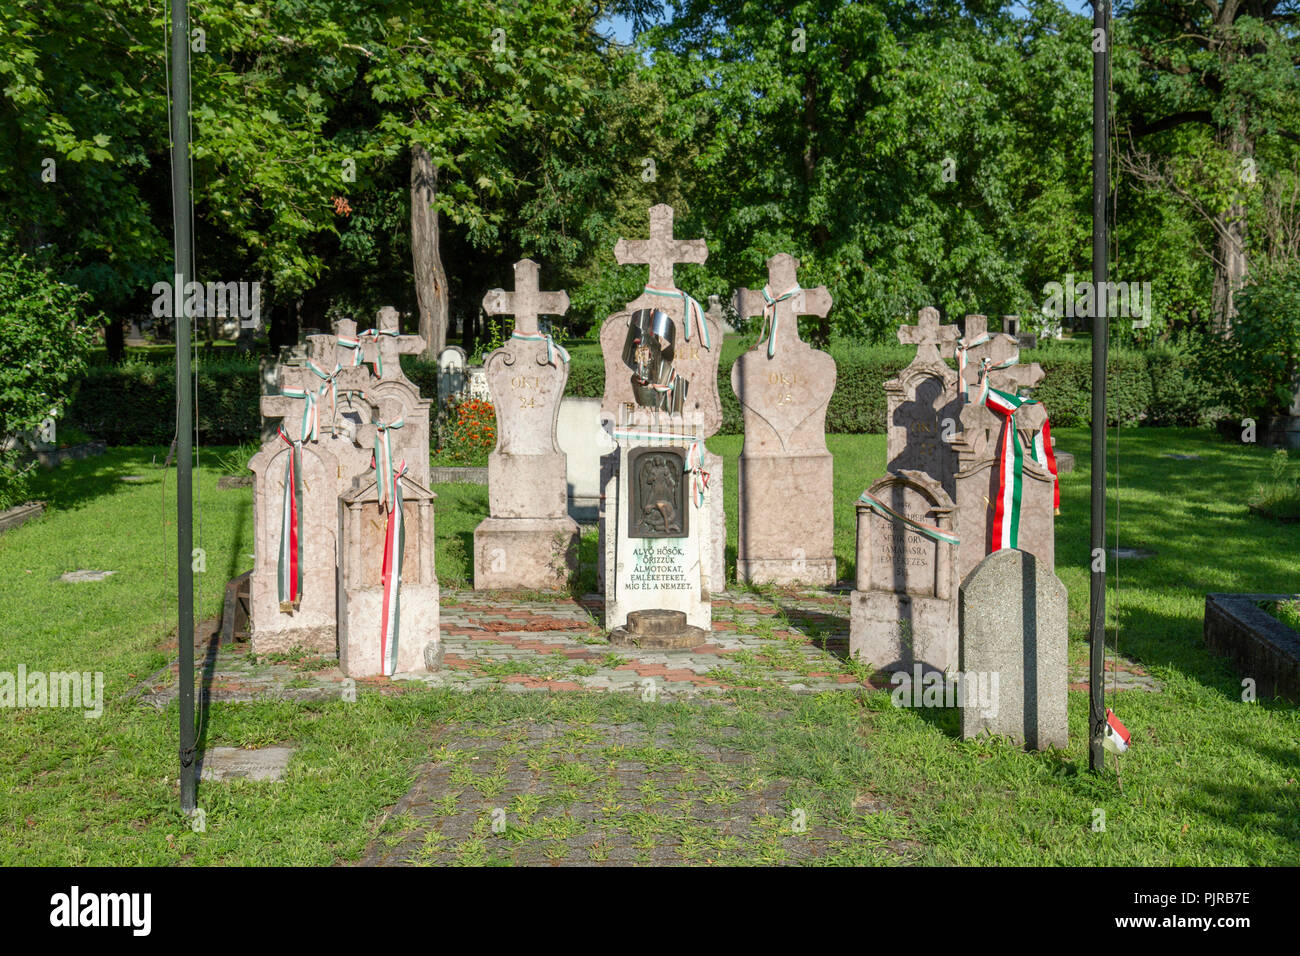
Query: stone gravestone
pixel 528 540
pixel 903 610
pixel 1013 616
pixel 579 434
pixel 978 446
pixel 388 614
pixel 786 496
pixel 697 349
pixel 453 380
pixel 332 409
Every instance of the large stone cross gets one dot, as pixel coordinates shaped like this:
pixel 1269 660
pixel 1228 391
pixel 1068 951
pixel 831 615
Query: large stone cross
pixel 927 335
pixel 999 348
pixel 526 303
pixel 661 251
pixel 782 271
pixel 389 346
pixel 302 377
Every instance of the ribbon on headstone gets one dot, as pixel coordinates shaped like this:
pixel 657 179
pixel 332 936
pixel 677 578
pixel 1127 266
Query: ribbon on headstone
pixel 691 311
pixel 963 346
pixel 1011 467
pixel 931 531
pixel 310 414
pixel 391 573
pixel 551 345
pixel 378 363
pixel 770 316
pixel 329 381
pixel 289 566
pixel 692 464
pixel 352 342
pixel 382 458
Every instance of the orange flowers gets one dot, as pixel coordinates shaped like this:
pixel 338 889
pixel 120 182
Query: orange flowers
pixel 473 430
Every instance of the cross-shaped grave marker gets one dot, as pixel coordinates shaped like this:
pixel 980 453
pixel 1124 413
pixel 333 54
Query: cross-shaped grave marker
pixel 526 303
pixel 782 272
pixel 927 335
pixel 383 347
pixel 999 348
pixel 661 251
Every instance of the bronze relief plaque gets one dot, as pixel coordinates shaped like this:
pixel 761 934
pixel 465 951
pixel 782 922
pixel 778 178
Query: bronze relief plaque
pixel 659 493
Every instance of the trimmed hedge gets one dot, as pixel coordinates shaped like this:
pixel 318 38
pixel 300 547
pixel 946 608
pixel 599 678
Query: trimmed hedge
pixel 134 403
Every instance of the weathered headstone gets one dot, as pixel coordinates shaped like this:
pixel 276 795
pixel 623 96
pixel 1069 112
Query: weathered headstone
pixel 1013 620
pixel 453 382
pixel 579 434
pixel 528 540
pixel 902 610
pixel 922 404
pixel 697 349
pixel 786 496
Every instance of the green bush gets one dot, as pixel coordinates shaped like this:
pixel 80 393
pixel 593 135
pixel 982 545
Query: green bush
pixel 44 341
pixel 135 403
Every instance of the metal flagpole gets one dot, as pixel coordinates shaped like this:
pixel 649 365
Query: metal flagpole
pixel 1100 340
pixel 184 257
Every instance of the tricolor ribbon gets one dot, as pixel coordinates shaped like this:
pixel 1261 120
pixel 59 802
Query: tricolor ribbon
pixel 352 342
pixel 694 460
pixel 394 548
pixel 289 567
pixel 1011 467
pixel 929 530
pixel 551 345
pixel 330 381
pixel 690 309
pixel 382 458
pixel 310 414
pixel 963 346
pixel 379 355
pixel 770 317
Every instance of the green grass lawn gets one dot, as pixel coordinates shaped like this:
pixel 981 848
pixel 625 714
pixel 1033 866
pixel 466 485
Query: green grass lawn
pixel 1210 779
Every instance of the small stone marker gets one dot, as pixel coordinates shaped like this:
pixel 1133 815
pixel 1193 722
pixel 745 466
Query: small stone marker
pixel 528 540
pixel 786 497
pixel 80 577
pixel 235 763
pixel 1013 618
pixel 452 379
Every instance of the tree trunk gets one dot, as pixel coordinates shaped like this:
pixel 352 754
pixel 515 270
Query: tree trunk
pixel 1230 262
pixel 426 254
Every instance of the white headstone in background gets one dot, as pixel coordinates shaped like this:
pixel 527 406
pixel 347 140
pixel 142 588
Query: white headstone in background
pixel 478 384
pixel 452 380
pixel 583 440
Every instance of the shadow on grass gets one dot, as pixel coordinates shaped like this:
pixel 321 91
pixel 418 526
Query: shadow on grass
pixel 76 483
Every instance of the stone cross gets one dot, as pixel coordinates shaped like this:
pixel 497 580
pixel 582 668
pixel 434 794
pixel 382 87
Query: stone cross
pixel 782 270
pixel 927 335
pixel 526 303
pixel 999 348
pixel 389 347
pixel 301 376
pixel 661 251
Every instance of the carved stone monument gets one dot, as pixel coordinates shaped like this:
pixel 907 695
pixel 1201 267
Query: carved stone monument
pixel 529 540
pixel 786 517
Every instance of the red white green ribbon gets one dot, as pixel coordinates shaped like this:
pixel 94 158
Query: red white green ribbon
pixel 1011 466
pixel 931 531
pixel 310 414
pixel 352 342
pixel 963 346
pixel 551 346
pixel 770 316
pixel 382 458
pixel 289 567
pixel 691 310
pixel 694 461
pixel 394 548
pixel 330 381
pixel 374 334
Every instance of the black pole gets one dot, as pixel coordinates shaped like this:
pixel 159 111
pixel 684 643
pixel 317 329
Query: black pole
pixel 184 257
pixel 1100 340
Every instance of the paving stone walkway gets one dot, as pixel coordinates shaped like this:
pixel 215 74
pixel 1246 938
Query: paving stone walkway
pixel 797 641
pixel 560 794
